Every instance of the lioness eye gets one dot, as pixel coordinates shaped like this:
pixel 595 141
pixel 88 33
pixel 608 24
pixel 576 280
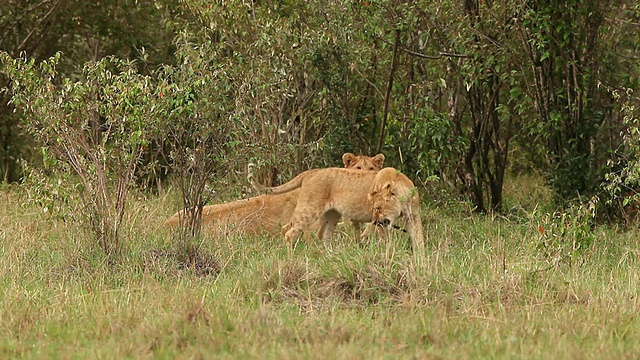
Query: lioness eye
pixel 358 167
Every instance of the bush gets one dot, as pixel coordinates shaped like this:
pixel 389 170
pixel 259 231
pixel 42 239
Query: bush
pixel 95 128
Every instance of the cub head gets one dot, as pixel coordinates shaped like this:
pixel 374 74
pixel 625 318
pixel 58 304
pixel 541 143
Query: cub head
pixel 386 202
pixel 361 162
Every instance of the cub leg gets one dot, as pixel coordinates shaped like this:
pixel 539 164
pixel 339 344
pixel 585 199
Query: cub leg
pixel 300 221
pixel 329 221
pixel 368 229
pixel 414 228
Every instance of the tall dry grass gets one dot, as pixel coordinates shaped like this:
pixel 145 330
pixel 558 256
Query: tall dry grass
pixel 487 290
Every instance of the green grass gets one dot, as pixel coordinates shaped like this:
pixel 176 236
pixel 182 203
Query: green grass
pixel 486 290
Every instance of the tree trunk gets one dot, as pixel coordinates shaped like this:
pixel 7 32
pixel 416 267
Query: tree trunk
pixel 387 95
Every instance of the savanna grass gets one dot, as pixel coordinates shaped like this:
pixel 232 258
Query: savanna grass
pixel 486 289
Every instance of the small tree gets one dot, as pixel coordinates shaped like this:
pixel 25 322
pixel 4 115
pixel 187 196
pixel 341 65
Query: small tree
pixel 622 183
pixel 198 132
pixel 96 128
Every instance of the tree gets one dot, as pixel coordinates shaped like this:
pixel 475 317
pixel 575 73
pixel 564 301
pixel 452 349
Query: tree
pixel 82 31
pixel 198 129
pixel 569 58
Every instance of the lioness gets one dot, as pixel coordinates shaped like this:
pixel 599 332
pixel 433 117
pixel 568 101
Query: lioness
pixel 252 216
pixel 264 213
pixel 327 194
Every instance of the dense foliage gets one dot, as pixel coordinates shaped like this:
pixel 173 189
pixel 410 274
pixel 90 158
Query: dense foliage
pixel 464 90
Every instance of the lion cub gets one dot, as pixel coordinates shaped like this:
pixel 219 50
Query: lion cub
pixel 327 194
pixel 350 161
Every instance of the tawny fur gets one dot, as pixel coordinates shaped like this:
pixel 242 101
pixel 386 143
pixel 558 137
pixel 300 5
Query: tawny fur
pixel 350 161
pixel 394 197
pixel 264 214
pixel 327 194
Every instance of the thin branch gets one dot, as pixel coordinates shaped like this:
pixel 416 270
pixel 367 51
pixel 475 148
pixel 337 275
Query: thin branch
pixel 37 27
pixel 18 19
pixel 434 57
pixel 369 82
pixel 441 54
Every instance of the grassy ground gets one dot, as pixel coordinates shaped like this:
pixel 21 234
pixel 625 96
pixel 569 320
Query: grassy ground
pixel 490 287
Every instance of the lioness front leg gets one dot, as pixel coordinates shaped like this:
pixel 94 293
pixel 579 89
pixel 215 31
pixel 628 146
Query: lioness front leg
pixel 363 233
pixel 382 232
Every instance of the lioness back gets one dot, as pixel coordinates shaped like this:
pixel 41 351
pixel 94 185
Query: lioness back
pixel 343 190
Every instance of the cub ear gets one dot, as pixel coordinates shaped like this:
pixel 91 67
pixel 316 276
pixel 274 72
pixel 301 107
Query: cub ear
pixel 371 195
pixel 378 160
pixel 348 159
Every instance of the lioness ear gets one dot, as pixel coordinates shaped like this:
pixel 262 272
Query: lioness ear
pixel 348 159
pixel 378 160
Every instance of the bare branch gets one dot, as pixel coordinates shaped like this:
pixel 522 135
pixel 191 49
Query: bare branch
pixel 37 28
pixel 424 56
pixel 18 19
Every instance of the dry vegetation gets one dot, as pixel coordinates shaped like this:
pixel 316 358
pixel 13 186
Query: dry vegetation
pixel 488 289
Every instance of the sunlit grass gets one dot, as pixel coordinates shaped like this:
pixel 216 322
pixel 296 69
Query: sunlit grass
pixel 485 290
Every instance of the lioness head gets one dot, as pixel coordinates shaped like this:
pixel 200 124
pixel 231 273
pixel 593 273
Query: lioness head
pixel 361 162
